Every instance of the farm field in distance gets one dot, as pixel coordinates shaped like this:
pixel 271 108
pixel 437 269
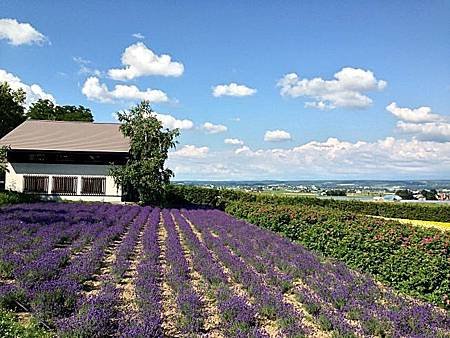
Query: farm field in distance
pixel 91 270
pixel 445 226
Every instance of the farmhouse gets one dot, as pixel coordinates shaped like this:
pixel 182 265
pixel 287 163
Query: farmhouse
pixel 65 160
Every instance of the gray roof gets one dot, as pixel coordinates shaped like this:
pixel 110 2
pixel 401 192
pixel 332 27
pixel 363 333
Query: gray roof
pixel 66 136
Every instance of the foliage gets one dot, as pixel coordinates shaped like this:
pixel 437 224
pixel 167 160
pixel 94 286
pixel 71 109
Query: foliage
pixel 336 192
pixel 219 198
pixel 411 259
pixel 3 158
pixel 405 194
pixel 11 108
pixel 12 197
pixel 47 110
pixel 181 195
pixel 11 328
pixel 144 172
pixel 429 194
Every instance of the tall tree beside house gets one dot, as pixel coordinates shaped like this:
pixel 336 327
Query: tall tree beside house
pixel 144 173
pixel 47 110
pixel 12 108
pixel 3 158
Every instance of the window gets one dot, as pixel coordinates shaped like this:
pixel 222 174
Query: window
pixel 64 185
pixel 93 185
pixel 35 184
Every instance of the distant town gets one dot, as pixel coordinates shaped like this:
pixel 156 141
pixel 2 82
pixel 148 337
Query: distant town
pixel 365 190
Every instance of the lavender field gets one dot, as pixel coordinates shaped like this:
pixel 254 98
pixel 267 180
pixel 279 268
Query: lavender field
pixel 109 270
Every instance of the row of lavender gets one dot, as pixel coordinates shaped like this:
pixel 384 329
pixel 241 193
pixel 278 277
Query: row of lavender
pixel 339 300
pixel 49 251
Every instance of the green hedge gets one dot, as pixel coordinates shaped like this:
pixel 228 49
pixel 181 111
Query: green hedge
pixel 180 195
pixel 411 259
pixel 420 211
pixel 219 198
pixel 11 197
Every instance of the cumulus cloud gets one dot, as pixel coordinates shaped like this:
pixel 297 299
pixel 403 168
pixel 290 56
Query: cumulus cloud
pixel 171 122
pixel 346 90
pixel 190 151
pixel 18 33
pixel 421 114
pixel 138 36
pixel 142 61
pixel 34 92
pixel 210 128
pixel 232 89
pixel 330 159
pixel 431 131
pixel 277 136
pixel 421 123
pixel 96 91
pixel 234 141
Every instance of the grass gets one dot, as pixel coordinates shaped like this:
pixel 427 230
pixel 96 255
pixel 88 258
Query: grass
pixel 10 327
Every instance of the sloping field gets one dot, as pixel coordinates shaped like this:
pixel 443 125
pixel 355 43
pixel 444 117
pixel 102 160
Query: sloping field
pixel 104 270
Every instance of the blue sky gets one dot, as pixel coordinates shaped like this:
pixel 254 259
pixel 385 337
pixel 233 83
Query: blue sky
pixel 336 126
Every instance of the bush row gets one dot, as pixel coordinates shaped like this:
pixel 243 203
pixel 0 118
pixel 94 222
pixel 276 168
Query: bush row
pixel 411 259
pixel 11 197
pixel 219 198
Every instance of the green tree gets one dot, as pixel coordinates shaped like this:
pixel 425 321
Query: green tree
pixel 144 172
pixel 429 194
pixel 405 194
pixel 47 110
pixel 11 108
pixel 3 158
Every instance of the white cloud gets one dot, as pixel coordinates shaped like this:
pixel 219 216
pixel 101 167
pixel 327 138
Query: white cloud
pixel 34 92
pixel 210 128
pixel 430 131
pixel 138 36
pixel 243 149
pixel 18 33
pixel 85 69
pixel 387 158
pixel 96 91
pixel 141 61
pixel 234 141
pixel 190 151
pixel 232 89
pixel 171 122
pixel 277 136
pixel 346 90
pixel 421 114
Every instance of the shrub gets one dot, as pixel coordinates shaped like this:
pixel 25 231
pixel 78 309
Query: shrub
pixel 411 259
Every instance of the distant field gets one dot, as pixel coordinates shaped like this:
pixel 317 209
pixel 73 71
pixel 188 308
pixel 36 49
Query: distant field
pixel 433 224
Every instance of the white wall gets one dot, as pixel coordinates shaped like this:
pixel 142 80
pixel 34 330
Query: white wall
pixel 14 178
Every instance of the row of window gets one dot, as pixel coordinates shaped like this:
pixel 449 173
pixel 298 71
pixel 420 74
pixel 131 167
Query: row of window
pixel 64 185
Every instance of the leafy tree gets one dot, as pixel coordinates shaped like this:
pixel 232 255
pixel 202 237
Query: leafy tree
pixel 336 192
pixel 405 194
pixel 429 194
pixel 47 110
pixel 11 108
pixel 144 172
pixel 3 158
